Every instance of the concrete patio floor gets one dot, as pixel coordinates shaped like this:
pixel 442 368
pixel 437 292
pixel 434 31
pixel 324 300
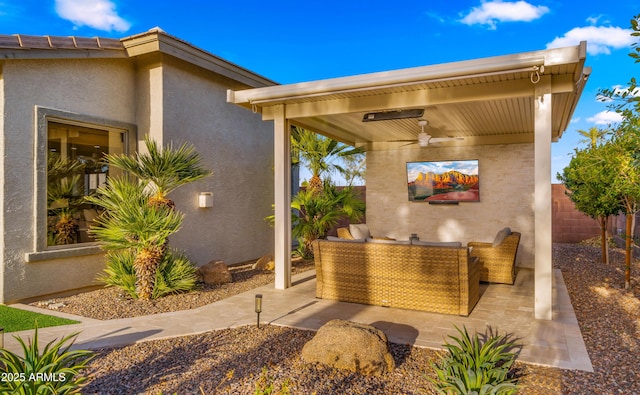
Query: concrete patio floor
pixel 505 309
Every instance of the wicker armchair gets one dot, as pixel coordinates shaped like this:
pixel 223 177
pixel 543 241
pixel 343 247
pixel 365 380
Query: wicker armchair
pixel 497 259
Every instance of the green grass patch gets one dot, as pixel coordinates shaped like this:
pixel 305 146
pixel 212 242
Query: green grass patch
pixel 13 320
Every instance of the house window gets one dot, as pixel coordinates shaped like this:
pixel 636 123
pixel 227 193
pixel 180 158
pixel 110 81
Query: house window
pixel 76 167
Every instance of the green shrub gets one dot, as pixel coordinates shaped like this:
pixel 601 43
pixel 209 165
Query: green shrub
pixel 175 273
pixel 473 367
pixel 54 370
pixel 265 386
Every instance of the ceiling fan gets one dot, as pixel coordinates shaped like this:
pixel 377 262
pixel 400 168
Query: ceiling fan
pixel 425 139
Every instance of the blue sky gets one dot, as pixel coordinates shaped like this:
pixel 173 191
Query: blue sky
pixel 303 41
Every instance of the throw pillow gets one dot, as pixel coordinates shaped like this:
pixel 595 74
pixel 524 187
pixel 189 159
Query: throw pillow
pixel 344 233
pixel 501 236
pixel 359 231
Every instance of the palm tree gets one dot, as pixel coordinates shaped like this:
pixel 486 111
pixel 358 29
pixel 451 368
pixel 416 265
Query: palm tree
pixel 318 154
pixel 162 170
pixel 593 136
pixel 130 221
pixel 139 215
pixel 317 213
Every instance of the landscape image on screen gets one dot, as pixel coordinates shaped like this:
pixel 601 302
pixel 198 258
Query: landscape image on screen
pixel 443 181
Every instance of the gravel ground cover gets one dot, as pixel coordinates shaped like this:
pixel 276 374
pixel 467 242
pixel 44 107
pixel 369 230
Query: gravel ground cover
pixel 231 361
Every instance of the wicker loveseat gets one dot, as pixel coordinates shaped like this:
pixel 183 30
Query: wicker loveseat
pixel 497 259
pixel 429 278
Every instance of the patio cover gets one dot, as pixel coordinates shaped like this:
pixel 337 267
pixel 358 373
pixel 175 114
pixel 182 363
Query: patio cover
pixel 519 98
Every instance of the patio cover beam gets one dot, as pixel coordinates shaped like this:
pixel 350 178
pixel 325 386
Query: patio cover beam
pixel 420 98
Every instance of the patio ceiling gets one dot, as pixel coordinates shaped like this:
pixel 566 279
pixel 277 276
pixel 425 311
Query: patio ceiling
pixel 485 101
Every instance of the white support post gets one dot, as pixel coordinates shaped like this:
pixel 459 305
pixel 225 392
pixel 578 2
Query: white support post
pixel 542 202
pixel 282 197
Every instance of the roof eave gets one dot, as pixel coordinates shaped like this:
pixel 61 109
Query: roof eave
pixel 456 70
pixel 156 40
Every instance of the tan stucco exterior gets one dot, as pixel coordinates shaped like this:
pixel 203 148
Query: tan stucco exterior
pixel 173 97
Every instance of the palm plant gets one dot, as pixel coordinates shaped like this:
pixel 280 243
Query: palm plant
pixel 63 180
pixel 130 221
pixel 316 213
pixel 318 154
pixel 139 215
pixel 162 170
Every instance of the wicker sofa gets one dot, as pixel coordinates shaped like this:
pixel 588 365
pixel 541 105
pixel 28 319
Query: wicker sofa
pixel 498 259
pixel 429 278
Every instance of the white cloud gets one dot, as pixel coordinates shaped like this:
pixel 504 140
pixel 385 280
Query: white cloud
pixel 491 12
pixel 98 14
pixel 600 39
pixel 605 118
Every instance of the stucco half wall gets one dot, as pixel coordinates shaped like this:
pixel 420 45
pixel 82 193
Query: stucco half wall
pixel 506 197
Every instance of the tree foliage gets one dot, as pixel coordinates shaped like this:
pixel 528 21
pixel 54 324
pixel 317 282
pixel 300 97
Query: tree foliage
pixel 589 184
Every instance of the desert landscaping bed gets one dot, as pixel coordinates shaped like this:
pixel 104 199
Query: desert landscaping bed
pixel 231 361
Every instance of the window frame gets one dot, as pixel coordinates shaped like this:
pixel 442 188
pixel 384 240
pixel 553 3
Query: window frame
pixel 44 115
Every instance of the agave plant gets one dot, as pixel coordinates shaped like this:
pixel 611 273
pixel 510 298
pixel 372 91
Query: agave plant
pixel 474 367
pixel 54 370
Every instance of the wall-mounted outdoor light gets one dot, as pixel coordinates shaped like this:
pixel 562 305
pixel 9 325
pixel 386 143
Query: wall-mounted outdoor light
pixel 258 307
pixel 205 199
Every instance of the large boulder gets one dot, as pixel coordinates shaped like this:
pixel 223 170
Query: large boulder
pixel 350 345
pixel 265 262
pixel 214 272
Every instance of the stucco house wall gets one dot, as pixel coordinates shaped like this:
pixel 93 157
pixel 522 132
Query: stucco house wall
pixel 238 147
pixel 102 89
pixel 149 93
pixel 506 197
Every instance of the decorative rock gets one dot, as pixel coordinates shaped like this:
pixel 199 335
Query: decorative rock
pixel 349 345
pixel 214 272
pixel 265 262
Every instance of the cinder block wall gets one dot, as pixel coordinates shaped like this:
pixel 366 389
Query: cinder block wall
pixel 569 224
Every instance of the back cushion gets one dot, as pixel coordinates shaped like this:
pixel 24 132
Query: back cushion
pixel 359 231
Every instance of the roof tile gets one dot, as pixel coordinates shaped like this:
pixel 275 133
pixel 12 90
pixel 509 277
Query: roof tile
pixel 57 42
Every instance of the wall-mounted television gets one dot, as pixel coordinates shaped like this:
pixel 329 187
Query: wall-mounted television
pixel 443 181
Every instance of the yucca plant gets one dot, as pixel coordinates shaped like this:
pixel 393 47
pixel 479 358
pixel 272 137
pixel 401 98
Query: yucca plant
pixel 475 367
pixel 54 370
pixel 175 273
